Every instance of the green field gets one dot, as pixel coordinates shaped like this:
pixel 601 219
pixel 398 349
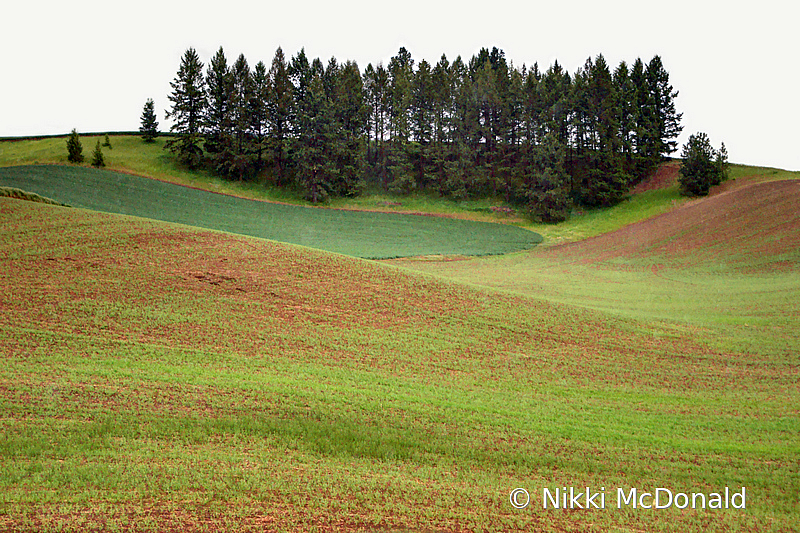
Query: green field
pixel 356 233
pixel 159 377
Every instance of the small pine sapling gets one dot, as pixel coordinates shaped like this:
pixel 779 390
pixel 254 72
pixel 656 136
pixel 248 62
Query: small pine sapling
pixel 97 156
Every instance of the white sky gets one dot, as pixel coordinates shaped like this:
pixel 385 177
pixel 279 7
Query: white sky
pixel 91 65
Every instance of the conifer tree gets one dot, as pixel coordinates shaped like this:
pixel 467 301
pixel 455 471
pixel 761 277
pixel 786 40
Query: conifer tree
pixel 625 112
pixel 645 136
pixel 257 109
pixel 218 118
pixel 315 143
pixel 546 185
pixel 281 107
pixel 698 171
pixel 107 142
pixel 721 164
pixel 97 156
pixel 74 148
pixel 149 127
pixel 188 106
pixel 351 116
pixel 239 155
pixel 668 120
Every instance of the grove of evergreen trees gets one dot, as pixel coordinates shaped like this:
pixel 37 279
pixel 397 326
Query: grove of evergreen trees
pixel 543 140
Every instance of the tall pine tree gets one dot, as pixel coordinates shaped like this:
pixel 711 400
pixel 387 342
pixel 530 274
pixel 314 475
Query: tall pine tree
pixel 281 108
pixel 218 119
pixel 668 120
pixel 149 127
pixel 316 143
pixel 188 107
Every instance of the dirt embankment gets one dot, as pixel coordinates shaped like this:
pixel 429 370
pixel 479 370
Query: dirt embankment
pixel 748 224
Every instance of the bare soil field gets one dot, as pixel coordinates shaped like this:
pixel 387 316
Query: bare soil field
pixel 759 221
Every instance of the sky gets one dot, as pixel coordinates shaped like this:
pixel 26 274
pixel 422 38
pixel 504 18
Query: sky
pixel 91 65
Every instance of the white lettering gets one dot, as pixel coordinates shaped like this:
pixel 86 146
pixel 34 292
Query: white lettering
pixel 660 505
pixel 742 498
pixel 694 500
pixel 547 495
pixel 630 500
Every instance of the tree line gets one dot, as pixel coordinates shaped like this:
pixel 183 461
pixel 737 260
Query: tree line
pixel 543 140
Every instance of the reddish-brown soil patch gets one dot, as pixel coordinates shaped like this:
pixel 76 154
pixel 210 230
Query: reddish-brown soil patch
pixel 748 224
pixel 666 176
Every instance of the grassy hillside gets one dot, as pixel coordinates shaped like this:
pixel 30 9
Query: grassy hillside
pixel 356 233
pixel 131 155
pixel 157 377
pixel 725 266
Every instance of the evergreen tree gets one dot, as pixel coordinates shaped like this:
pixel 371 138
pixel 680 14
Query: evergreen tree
pixel 668 121
pixel 240 152
pixel 421 110
pixel 74 148
pixel 721 164
pixel 259 118
pixel 376 83
pixel 218 119
pixel 351 118
pixel 625 112
pixel 442 113
pixel 605 182
pixel 107 142
pixel 699 170
pixel 645 133
pixel 149 127
pixel 316 143
pixel 398 161
pixel 188 106
pixel 545 186
pixel 281 105
pixel 97 156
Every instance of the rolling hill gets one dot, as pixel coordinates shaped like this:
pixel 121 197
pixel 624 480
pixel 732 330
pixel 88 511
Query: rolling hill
pixel 163 377
pixel 357 233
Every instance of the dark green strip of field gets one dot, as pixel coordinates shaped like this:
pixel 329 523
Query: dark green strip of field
pixel 360 234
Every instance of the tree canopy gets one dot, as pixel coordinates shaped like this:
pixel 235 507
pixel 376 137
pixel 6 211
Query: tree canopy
pixel 543 140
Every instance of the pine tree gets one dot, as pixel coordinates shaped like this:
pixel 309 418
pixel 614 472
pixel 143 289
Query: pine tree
pixel 107 142
pixel 645 134
pixel 316 143
pixel 218 118
pixel 421 110
pixel 625 113
pixel 545 183
pixel 721 164
pixel 188 106
pixel 97 156
pixel 351 116
pixel 149 127
pixel 74 148
pixel 240 156
pixel 605 182
pixel 699 171
pixel 668 120
pixel 281 107
pixel 258 105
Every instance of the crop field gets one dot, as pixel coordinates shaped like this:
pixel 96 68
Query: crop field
pixel 357 233
pixel 162 377
pixel 728 264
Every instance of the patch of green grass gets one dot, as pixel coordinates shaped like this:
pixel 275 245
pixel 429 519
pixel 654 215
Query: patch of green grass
pixel 356 233
pixel 131 155
pixel 585 223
